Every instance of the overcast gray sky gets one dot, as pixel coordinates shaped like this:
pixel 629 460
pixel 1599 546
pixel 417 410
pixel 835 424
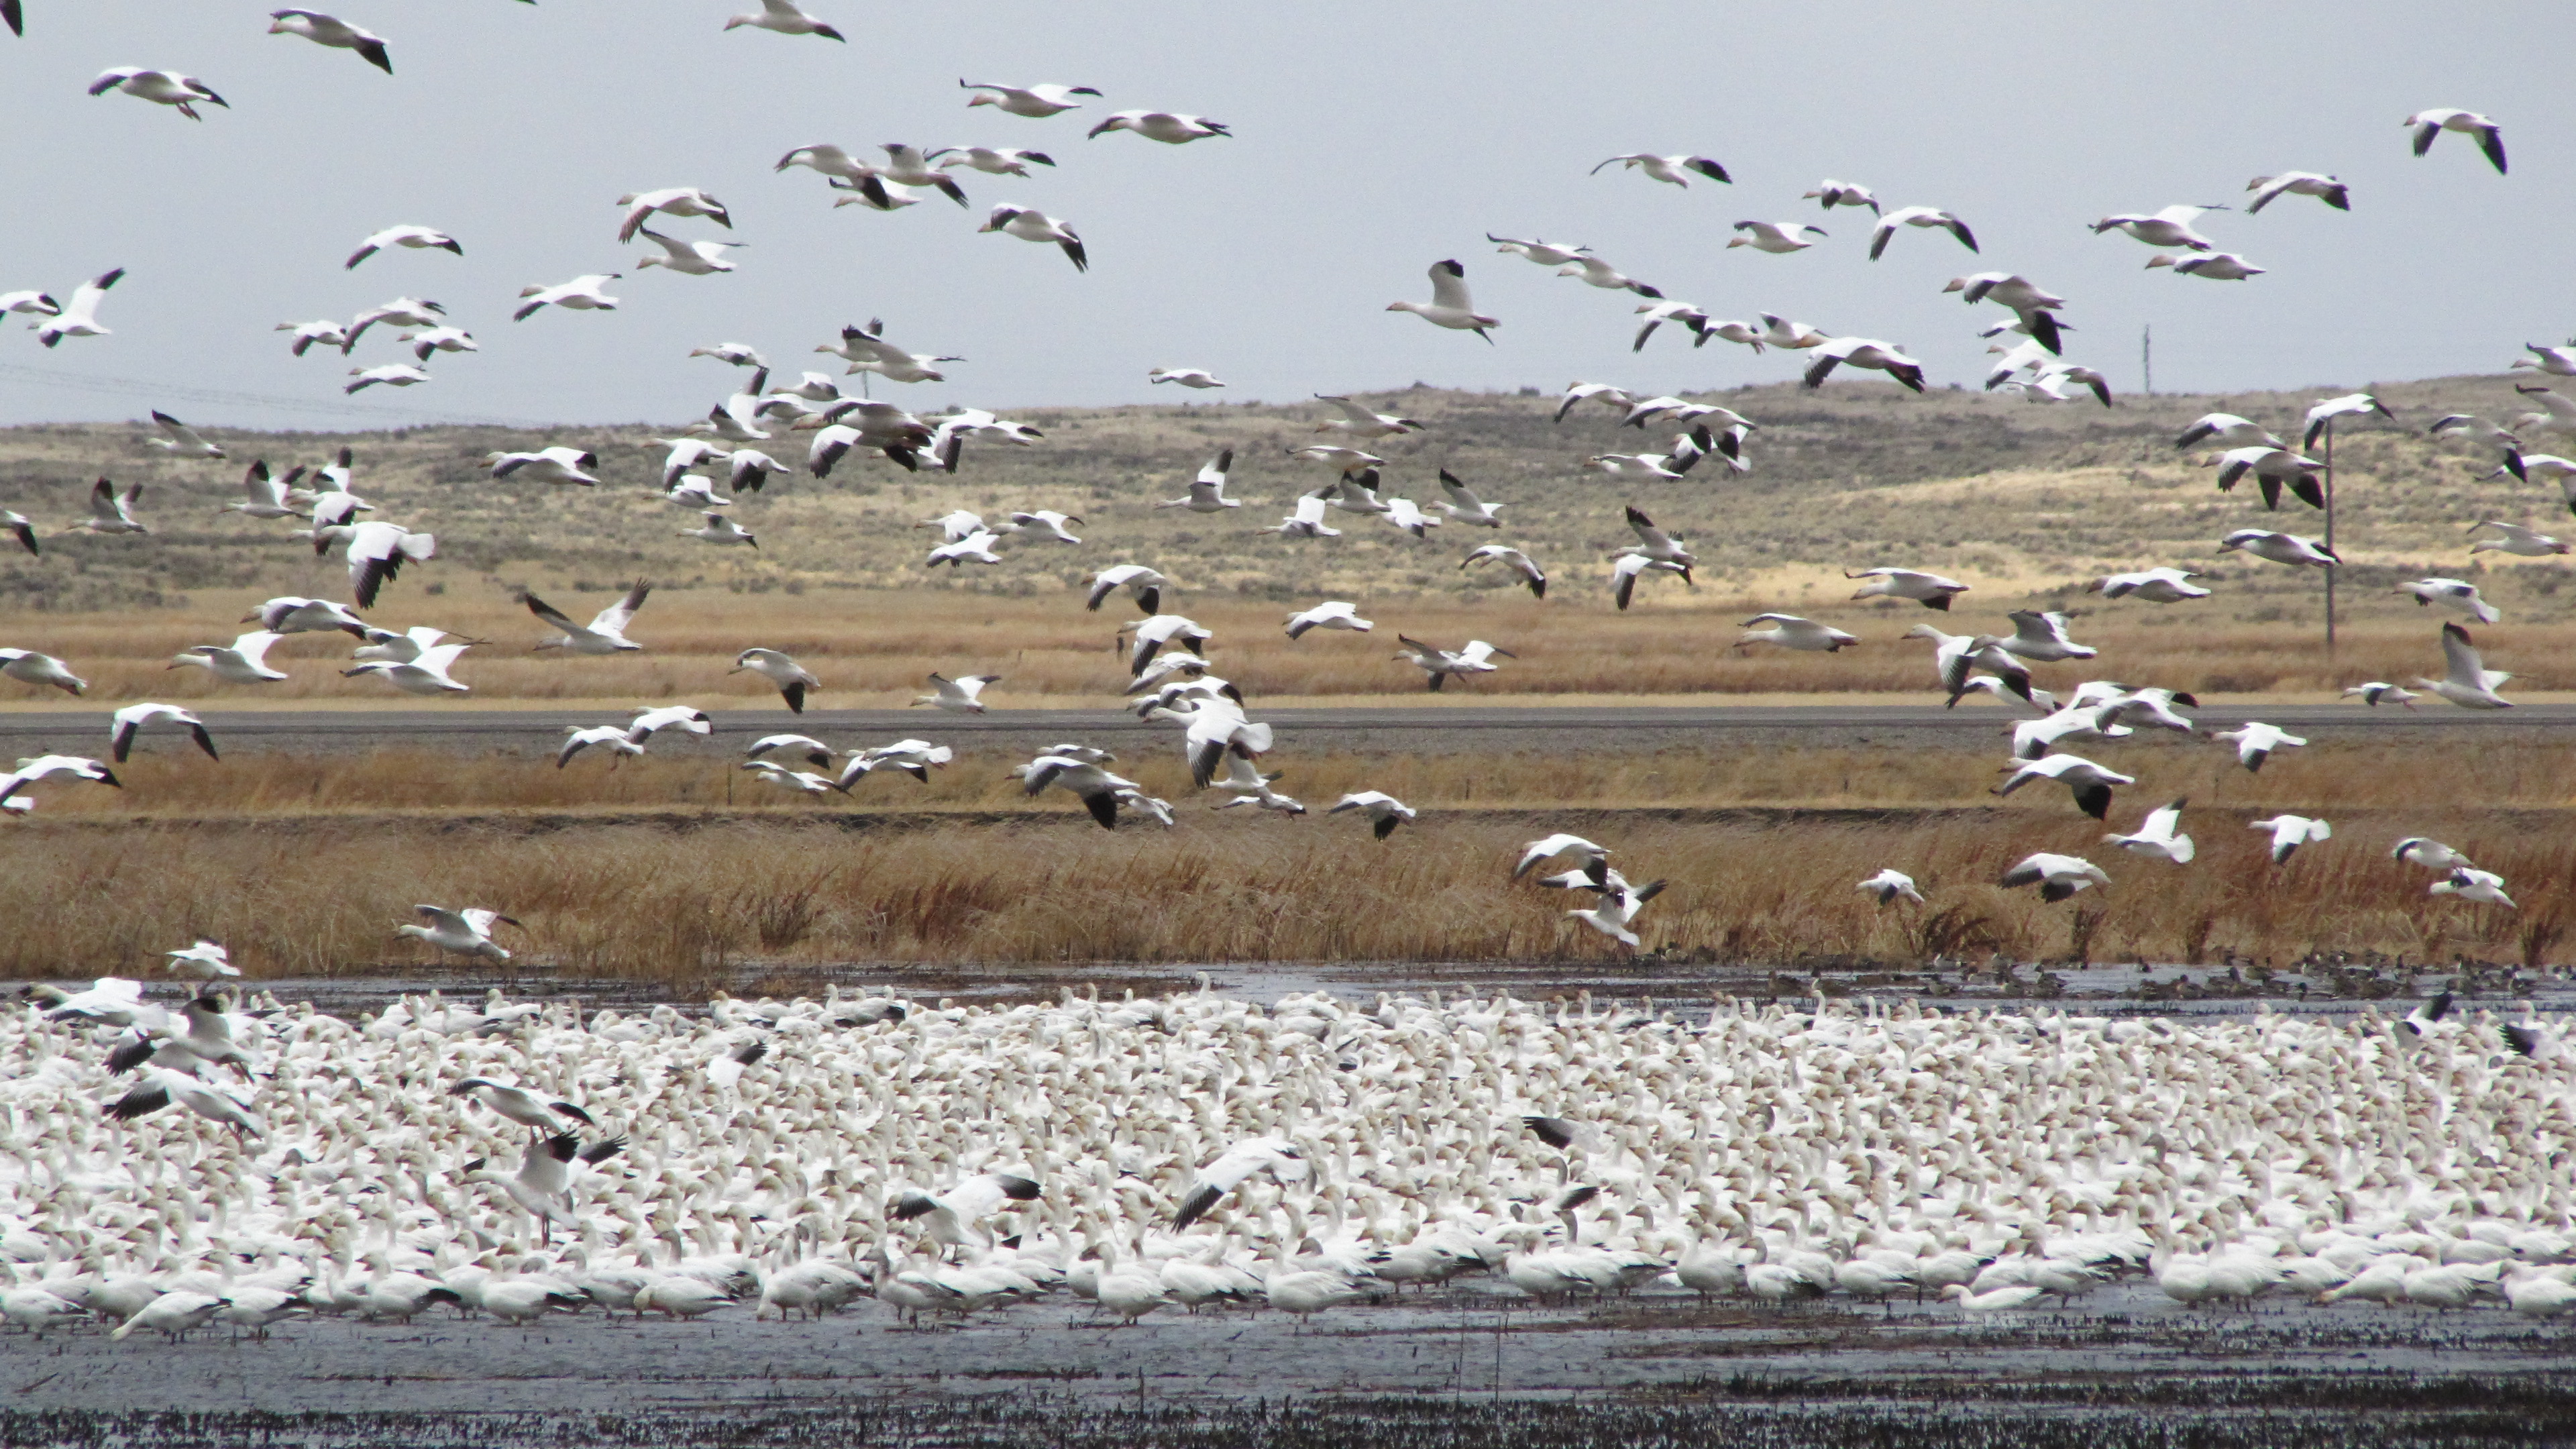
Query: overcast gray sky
pixel 1369 141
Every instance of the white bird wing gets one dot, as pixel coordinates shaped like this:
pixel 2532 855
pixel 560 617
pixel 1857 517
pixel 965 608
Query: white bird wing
pixel 614 618
pixel 1449 287
pixel 440 659
pixel 2460 660
pixel 255 645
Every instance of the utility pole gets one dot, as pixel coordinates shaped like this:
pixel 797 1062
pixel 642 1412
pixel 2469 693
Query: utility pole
pixel 2147 356
pixel 2330 568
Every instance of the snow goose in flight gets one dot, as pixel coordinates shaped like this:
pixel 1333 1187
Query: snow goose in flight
pixel 581 294
pixel 416 237
pixel 2041 638
pixel 400 312
pixel 1658 313
pixel 392 374
pixel 1830 193
pixel 1450 306
pixel 1515 560
pixel 1363 422
pixel 159 1088
pixel 2484 887
pixel 29 667
pixel 1864 352
pixel 1544 253
pixel 1190 377
pixel 791 678
pixel 2459 593
pixel 2280 548
pixel 2091 783
pixel 2466 681
pixel 962 695
pixel 1251 787
pixel 1953 655
pixel 1036 226
pixel 1793 336
pixel 950 1217
pixel 1142 584
pixel 867 351
pixel 739 354
pixel 1169 127
pixel 2226 430
pixel 1687 451
pixel 691 258
pixel 613 738
pixel 1654 543
pixel 135 717
pixel 548 465
pixel 1791 632
pixel 772 773
pixel 40 768
pixel 2156 586
pixel 1385 812
pixel 206 959
pixel 1676 170
pixel 464 933
pixel 606 632
pixel 2353 404
pixel 991 160
pixel 911 757
pixel 1439 664
pixel 2034 308
pixel 179 440
pixel 1614 912
pixel 439 339
pixel 783 17
pixel 426 674
pixel 1550 847
pixel 80 319
pixel 2510 538
pixel 2170 227
pixel 1331 614
pixel 2255 741
pixel 1405 515
pixel 1207 491
pixel 1889 885
pixel 1777 237
pixel 2298 183
pixel 1463 506
pixel 161 87
pixel 1600 392
pixel 2158 835
pixel 323 29
pixel 2429 124
pixel 2378 692
pixel 1598 273
pixel 375 554
pixel 2057 876
pixel 905 165
pixel 683 454
pixel 42 304
pixel 1308 520
pixel 1275 1157
pixel 240 662
pixel 2547 467
pixel 2034 738
pixel 2215 267
pixel 2556 361
pixel 1036 102
pixel 400 648
pixel 1681 410
pixel 543 1184
pixel 110 511
pixel 1098 789
pixel 1349 460
pixel 1923 216
pixel 721 531
pixel 813 751
pixel 2430 854
pixel 1930 590
pixel 1356 493
pixel 1159 631
pixel 2289 832
pixel 976 547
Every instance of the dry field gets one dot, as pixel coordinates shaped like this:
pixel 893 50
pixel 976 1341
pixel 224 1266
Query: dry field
pixel 2026 503
pixel 672 869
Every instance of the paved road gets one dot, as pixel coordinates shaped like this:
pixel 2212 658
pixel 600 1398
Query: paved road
pixel 1410 729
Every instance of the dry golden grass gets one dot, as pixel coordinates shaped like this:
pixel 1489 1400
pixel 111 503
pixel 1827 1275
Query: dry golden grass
pixel 679 906
pixel 872 649
pixel 643 871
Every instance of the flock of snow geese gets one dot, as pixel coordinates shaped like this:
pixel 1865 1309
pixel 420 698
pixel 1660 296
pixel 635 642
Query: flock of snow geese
pixel 1198 1152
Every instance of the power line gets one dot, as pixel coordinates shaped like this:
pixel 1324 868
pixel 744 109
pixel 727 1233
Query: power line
pixel 167 392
